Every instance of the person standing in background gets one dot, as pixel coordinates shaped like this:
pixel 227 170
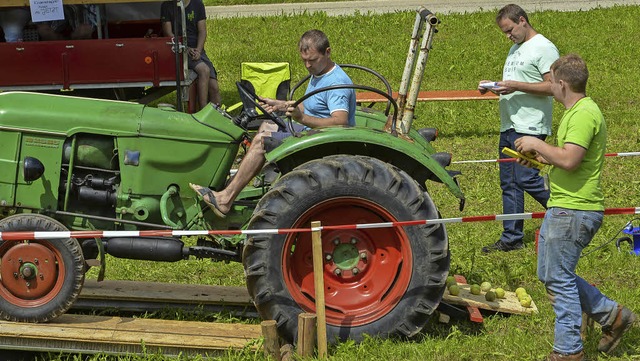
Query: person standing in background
pixel 525 109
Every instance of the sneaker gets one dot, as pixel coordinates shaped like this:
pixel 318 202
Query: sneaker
pixel 611 335
pixel 554 356
pixel 501 246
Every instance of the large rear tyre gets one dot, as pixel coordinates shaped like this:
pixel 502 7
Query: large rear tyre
pixel 40 279
pixel 384 282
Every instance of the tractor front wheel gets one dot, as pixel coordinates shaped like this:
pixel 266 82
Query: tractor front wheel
pixel 378 281
pixel 40 279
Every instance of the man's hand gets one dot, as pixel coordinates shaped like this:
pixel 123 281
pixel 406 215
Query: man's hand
pixel 504 87
pixel 272 105
pixel 482 89
pixel 295 113
pixel 529 146
pixel 194 54
pixel 500 88
pixel 276 105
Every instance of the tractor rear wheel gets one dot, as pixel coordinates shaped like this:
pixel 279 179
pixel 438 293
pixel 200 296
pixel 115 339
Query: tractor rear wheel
pixel 384 281
pixel 40 279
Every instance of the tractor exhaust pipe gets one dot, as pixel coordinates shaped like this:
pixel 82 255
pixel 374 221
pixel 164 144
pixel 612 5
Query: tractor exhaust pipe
pixel 148 249
pixel 160 249
pixel 407 99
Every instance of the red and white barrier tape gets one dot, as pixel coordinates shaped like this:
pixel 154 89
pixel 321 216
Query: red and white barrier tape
pixel 505 160
pixel 20 236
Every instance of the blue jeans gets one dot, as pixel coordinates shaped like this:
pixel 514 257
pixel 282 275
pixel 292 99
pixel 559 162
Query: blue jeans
pixel 564 233
pixel 514 181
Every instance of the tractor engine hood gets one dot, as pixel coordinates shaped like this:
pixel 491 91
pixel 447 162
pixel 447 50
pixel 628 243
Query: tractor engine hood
pixel 67 115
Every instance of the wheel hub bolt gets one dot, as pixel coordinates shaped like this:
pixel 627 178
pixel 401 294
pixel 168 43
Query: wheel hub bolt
pixel 337 272
pixel 354 241
pixel 328 257
pixel 336 241
pixel 363 255
pixel 27 272
pixel 41 276
pixel 355 270
pixel 35 260
pixel 15 275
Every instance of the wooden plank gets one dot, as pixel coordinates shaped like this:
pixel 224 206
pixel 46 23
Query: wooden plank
pixel 430 95
pixel 165 292
pixel 474 312
pixel 509 304
pixel 74 333
pixel 6 3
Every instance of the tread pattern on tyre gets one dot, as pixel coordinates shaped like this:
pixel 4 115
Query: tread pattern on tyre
pixel 350 176
pixel 70 250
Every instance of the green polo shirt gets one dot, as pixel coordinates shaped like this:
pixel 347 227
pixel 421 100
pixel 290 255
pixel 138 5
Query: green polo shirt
pixel 580 189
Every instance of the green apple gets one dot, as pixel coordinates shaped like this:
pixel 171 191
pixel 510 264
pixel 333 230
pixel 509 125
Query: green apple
pixel 451 281
pixel 475 289
pixel 490 296
pixel 454 290
pixel 485 286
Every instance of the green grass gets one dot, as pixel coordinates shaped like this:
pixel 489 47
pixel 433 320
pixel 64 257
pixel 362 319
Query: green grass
pixel 467 48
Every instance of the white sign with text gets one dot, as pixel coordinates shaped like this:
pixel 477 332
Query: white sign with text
pixel 46 10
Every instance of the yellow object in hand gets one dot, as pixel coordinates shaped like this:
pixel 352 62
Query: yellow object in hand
pixel 513 154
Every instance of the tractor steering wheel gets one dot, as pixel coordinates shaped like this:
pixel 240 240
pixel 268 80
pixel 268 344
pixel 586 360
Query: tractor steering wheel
pixel 249 97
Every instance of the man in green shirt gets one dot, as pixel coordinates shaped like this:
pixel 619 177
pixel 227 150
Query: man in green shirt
pixel 575 213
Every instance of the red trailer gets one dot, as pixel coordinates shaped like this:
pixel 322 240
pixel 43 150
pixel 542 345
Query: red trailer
pixel 128 57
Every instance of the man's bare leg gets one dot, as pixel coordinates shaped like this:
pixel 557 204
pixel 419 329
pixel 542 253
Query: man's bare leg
pixel 214 92
pixel 251 165
pixel 203 83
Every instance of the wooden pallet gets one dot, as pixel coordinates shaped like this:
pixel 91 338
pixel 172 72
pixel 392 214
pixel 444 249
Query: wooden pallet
pixel 118 335
pixel 509 304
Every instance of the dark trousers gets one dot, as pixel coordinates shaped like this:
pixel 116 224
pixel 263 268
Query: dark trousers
pixel 514 181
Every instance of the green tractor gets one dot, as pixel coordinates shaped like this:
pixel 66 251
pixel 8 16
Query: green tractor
pixel 73 163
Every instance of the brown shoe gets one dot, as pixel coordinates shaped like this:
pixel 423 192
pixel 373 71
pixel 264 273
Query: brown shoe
pixel 611 335
pixel 554 356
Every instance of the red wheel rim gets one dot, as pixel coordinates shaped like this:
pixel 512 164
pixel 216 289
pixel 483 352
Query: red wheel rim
pixel 366 271
pixel 32 273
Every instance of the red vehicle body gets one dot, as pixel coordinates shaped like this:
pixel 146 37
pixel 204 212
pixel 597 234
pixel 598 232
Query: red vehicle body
pixel 128 58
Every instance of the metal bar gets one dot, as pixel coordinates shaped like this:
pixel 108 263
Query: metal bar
pixel 408 66
pixel 177 49
pixel 407 115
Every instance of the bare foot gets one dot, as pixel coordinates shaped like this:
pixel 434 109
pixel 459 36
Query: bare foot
pixel 209 199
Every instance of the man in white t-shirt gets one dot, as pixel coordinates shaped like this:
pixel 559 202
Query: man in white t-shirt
pixel 525 109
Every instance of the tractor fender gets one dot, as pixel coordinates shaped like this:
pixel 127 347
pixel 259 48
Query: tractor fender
pixel 413 157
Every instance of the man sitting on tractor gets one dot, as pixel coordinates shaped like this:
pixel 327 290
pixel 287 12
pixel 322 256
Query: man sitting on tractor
pixel 331 108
